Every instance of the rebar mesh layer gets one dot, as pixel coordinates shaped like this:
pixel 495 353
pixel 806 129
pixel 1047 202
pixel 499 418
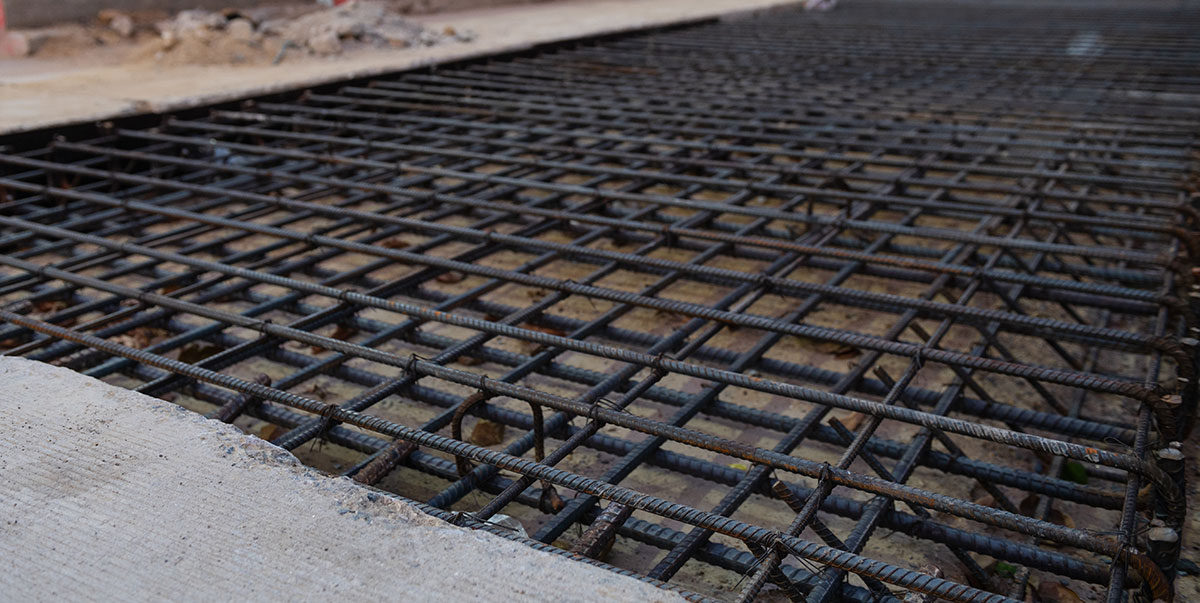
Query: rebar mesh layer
pixel 828 306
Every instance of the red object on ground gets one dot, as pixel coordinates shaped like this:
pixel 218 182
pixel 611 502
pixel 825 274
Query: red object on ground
pixel 1 17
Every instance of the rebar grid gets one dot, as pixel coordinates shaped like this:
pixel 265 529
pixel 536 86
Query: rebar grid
pixel 746 285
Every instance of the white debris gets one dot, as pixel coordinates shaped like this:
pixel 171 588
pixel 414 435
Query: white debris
pixel 240 29
pixel 117 21
pixel 322 32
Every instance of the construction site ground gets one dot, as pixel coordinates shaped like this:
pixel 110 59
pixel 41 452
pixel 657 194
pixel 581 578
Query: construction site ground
pixel 118 80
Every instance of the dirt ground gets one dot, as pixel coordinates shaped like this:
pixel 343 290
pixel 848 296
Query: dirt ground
pixel 126 75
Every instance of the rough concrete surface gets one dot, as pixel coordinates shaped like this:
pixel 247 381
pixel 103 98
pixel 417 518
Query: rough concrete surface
pixel 37 93
pixel 108 494
pixel 36 13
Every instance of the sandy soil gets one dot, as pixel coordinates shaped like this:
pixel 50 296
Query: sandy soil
pixel 114 80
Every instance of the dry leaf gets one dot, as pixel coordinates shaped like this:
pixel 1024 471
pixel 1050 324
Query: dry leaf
pixel 487 433
pixel 195 352
pixel 1050 591
pixel 341 333
pixel 395 243
pixel 141 337
pixel 986 500
pixel 450 277
pixel 551 500
pixel 46 306
pixel 853 420
pixel 846 352
pixel 836 349
pixel 547 330
pixel 469 361
pixel 270 431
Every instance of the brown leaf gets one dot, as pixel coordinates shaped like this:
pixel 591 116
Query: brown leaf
pixel 836 349
pixel 469 361
pixel 141 337
pixel 341 333
pixel 450 277
pixel 551 501
pixel 1050 591
pixel 195 352
pixel 487 433
pixel 548 330
pixel 854 420
pixel 1061 518
pixel 270 431
pixel 395 243
pixel 48 306
pixel 846 352
pixel 986 500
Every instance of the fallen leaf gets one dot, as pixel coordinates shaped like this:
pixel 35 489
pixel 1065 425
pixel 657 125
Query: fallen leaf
pixel 986 501
pixel 551 501
pixel 846 352
pixel 1061 518
pixel 547 330
pixel 341 333
pixel 46 306
pixel 140 337
pixel 487 433
pixel 836 349
pixel 1050 591
pixel 854 420
pixel 450 277
pixel 395 243
pixel 270 431
pixel 195 352
pixel 469 361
